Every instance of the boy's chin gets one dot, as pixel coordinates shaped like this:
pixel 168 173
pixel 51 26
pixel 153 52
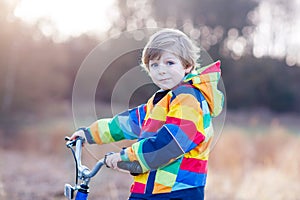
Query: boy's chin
pixel 164 88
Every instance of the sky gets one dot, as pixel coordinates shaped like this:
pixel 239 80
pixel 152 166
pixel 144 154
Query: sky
pixel 67 18
pixel 276 33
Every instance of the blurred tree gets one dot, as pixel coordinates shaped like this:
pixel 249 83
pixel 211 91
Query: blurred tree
pixel 265 82
pixel 37 73
pixel 206 21
pixel 226 29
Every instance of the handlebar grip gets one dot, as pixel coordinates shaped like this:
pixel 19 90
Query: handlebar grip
pixel 133 167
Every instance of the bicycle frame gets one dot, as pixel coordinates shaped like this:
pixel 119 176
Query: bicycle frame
pixel 85 174
pixel 82 172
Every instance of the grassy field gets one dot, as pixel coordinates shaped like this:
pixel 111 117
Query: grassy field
pixel 256 157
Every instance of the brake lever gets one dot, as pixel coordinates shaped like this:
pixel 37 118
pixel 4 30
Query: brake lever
pixel 71 143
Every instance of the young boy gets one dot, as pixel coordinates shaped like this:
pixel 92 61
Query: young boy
pixel 174 128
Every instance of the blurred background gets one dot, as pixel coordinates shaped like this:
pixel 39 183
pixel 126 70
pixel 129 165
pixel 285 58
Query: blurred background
pixel 44 42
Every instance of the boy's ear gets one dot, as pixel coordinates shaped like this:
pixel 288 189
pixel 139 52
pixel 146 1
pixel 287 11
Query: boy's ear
pixel 188 69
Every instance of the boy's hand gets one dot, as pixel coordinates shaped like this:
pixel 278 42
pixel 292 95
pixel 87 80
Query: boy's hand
pixel 79 133
pixel 112 160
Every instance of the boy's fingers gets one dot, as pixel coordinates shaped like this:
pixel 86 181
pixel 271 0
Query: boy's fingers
pixel 77 134
pixel 73 137
pixel 112 161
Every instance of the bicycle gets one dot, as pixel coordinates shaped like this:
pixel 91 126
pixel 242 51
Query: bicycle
pixel 85 174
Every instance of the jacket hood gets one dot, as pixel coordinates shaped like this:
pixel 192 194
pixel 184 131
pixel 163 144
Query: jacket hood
pixel 206 80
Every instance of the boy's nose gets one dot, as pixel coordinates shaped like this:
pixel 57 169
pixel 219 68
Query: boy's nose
pixel 162 69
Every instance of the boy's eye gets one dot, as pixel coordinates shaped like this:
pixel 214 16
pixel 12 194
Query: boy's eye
pixel 154 65
pixel 170 63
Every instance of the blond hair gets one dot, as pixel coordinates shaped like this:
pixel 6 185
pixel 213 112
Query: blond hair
pixel 173 41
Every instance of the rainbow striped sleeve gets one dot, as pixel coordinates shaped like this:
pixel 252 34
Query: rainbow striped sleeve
pixel 126 125
pixel 182 131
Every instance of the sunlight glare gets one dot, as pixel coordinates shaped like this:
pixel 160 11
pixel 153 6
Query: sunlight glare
pixel 68 18
pixel 277 31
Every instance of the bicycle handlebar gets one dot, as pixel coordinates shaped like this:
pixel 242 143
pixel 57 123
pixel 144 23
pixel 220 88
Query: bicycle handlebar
pixel 133 167
pixel 83 172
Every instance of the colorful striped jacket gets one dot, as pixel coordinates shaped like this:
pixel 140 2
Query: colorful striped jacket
pixel 173 132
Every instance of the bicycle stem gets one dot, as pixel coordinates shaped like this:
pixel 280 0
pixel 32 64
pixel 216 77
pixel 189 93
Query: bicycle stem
pixel 85 174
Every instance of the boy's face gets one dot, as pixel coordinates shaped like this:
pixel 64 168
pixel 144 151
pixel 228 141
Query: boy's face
pixel 167 71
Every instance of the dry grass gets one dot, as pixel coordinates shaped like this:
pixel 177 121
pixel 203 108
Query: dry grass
pixel 258 161
pixel 250 165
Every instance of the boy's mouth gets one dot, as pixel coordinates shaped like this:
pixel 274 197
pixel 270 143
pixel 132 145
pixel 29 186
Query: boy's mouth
pixel 164 79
